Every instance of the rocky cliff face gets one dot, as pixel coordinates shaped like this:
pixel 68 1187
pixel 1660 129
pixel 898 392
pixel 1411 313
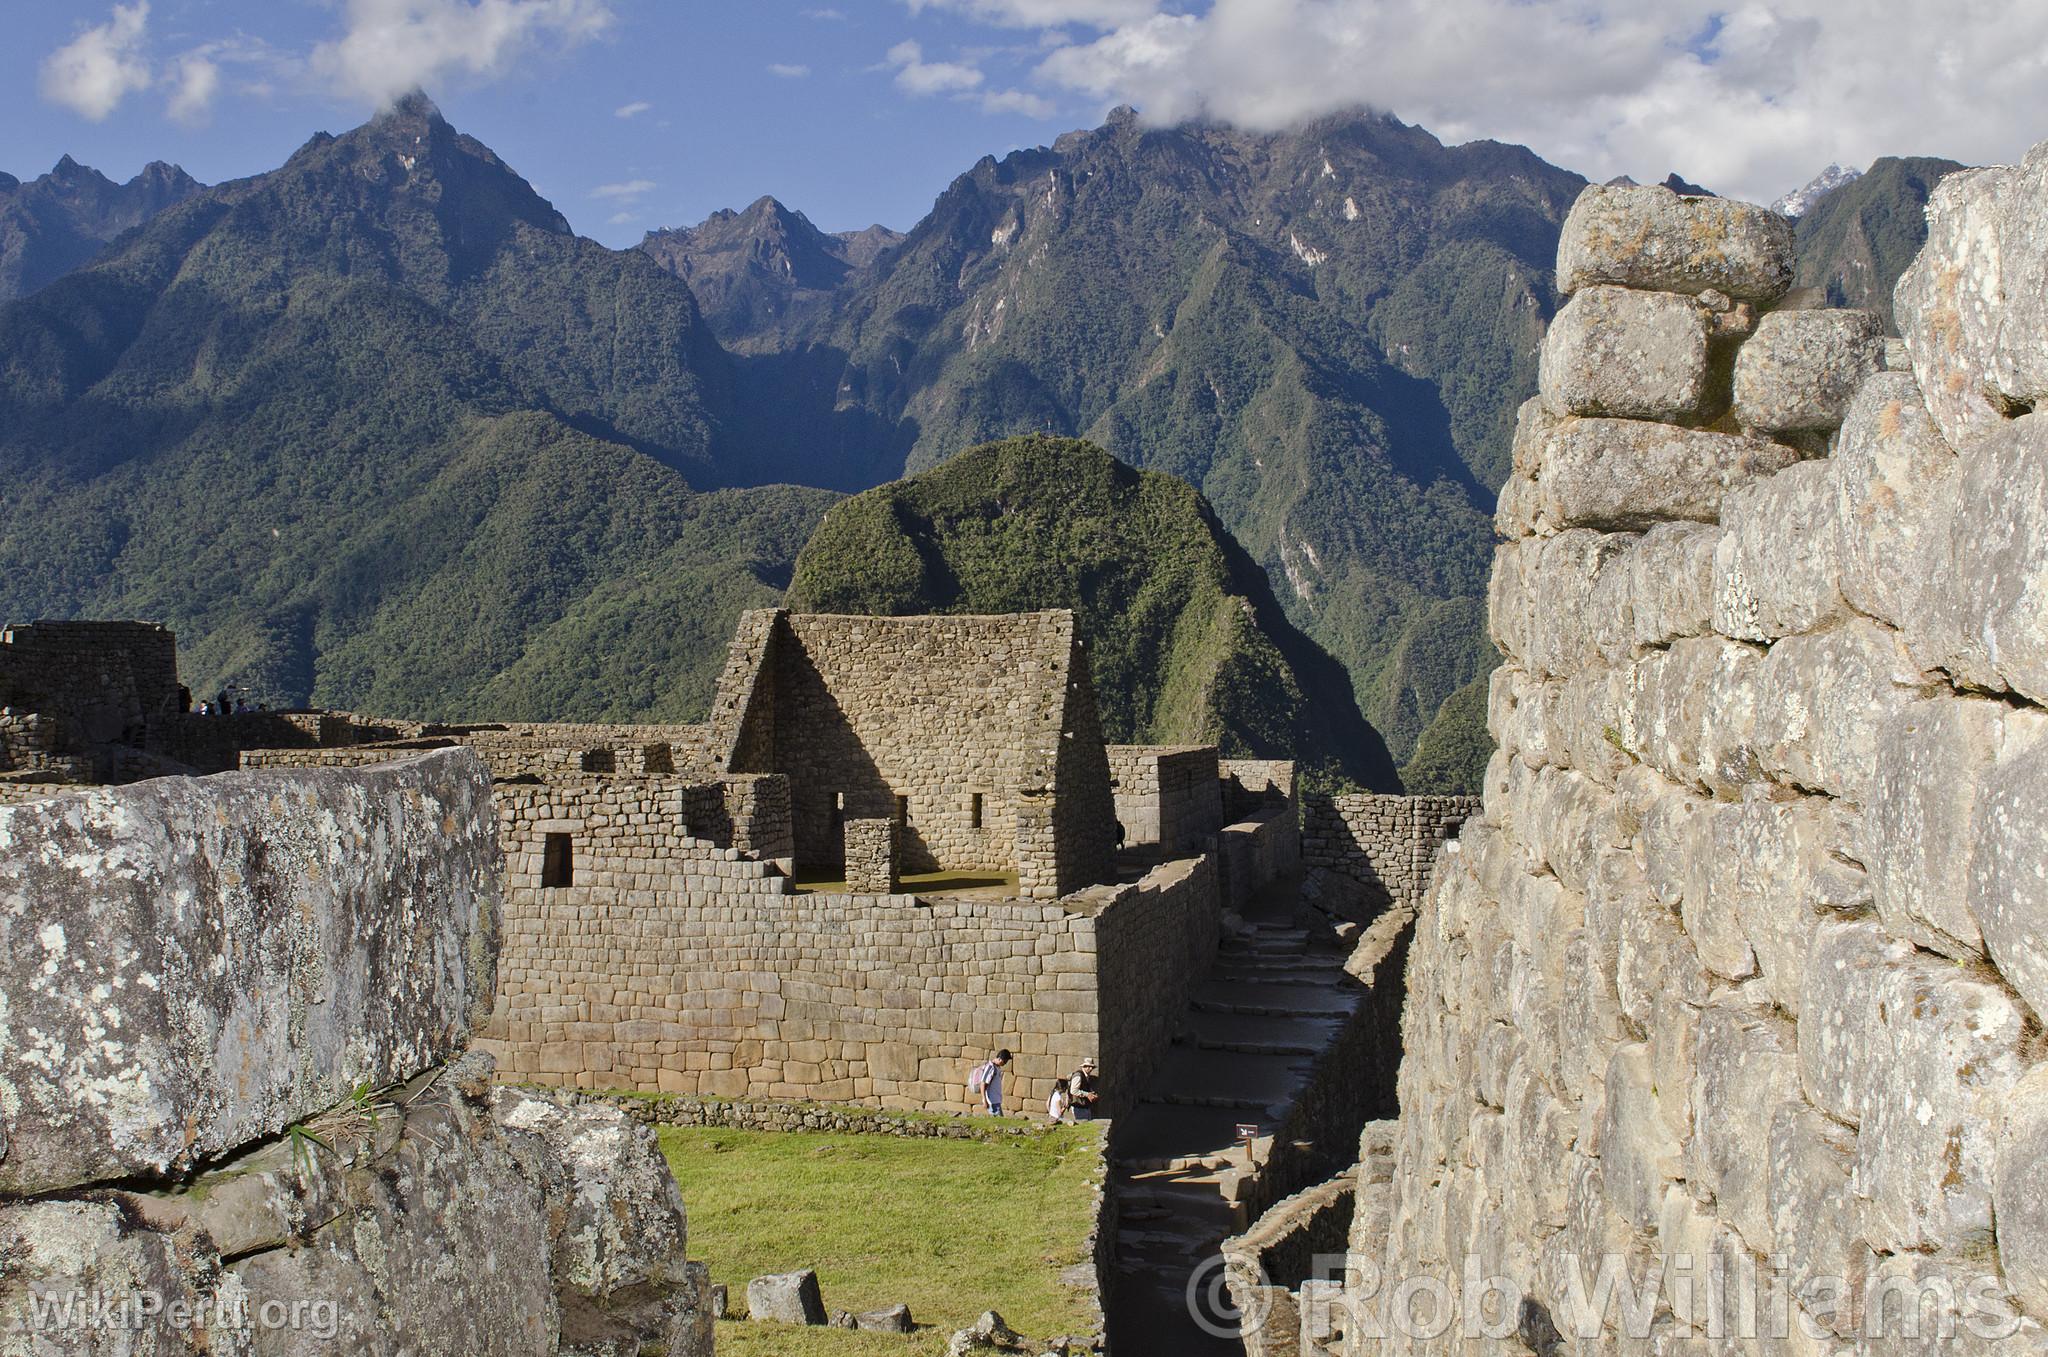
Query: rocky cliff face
pixel 235 1112
pixel 1733 997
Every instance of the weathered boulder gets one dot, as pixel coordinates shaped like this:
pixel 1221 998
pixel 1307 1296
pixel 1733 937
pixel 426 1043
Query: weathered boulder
pixel 76 1275
pixel 1638 355
pixel 894 1319
pixel 1625 475
pixel 1655 239
pixel 618 1210
pixel 198 964
pixel 407 1220
pixel 1799 371
pixel 786 1298
pixel 1973 307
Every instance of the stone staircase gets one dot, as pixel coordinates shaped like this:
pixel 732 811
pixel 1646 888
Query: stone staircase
pixel 1274 1001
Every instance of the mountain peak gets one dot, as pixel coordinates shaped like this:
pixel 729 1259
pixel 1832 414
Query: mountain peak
pixel 1803 200
pixel 413 105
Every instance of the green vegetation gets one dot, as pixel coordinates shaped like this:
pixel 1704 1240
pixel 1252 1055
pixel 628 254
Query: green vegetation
pixel 1327 331
pixel 948 1227
pixel 1450 758
pixel 1856 241
pixel 387 437
pixel 1184 638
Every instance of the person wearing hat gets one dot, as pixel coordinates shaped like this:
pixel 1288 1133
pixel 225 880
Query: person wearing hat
pixel 1081 1090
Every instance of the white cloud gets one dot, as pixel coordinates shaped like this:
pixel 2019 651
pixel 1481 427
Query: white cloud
pixel 826 15
pixel 621 218
pixel 915 75
pixel 787 70
pixel 1018 101
pixel 632 110
pixel 1046 13
pixel 1746 96
pixel 626 191
pixel 391 46
pixel 96 70
pixel 194 81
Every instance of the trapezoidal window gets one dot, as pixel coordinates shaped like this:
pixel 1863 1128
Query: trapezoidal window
pixel 974 811
pixel 902 810
pixel 557 861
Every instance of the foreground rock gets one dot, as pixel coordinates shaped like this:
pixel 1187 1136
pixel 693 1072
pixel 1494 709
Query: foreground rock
pixel 196 964
pixel 786 1298
pixel 1658 241
pixel 433 1219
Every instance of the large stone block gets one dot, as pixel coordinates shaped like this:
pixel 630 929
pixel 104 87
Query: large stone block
pixel 2007 890
pixel 1777 566
pixel 1624 475
pixel 1839 1051
pixel 1932 761
pixel 1973 307
pixel 1948 1051
pixel 1692 712
pixel 201 963
pixel 2022 1191
pixel 1747 1064
pixel 1655 239
pixel 1895 485
pixel 1998 544
pixel 1816 1223
pixel 1797 373
pixel 1823 698
pixel 1636 355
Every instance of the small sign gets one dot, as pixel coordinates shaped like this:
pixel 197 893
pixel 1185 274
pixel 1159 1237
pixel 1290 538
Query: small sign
pixel 1247 1131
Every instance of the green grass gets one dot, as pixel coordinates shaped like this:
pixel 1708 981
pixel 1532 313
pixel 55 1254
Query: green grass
pixel 829 881
pixel 948 1227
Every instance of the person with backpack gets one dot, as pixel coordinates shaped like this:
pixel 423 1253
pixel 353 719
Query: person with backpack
pixel 986 1083
pixel 1081 1090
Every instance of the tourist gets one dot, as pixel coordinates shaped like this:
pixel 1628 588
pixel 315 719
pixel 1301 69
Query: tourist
pixel 221 705
pixel 1056 1106
pixel 1081 1090
pixel 986 1082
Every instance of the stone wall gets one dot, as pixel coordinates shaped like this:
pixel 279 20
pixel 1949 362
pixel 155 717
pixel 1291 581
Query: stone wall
pixel 871 857
pixel 977 734
pixel 1738 981
pixel 1386 844
pixel 1252 853
pixel 1168 795
pixel 235 1115
pixel 666 963
pixel 68 690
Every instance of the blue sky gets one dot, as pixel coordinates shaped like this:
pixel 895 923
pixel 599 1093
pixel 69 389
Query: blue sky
pixel 630 114
pixel 832 133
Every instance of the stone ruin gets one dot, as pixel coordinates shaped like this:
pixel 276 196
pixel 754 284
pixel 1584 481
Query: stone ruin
pixel 238 1109
pixel 1732 997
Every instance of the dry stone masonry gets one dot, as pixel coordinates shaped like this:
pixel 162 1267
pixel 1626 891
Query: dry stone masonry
pixel 236 1111
pixel 1732 995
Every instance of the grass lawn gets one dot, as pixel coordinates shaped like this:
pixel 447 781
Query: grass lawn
pixel 828 881
pixel 948 1227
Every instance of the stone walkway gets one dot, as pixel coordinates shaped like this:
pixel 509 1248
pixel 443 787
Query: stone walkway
pixel 1275 1000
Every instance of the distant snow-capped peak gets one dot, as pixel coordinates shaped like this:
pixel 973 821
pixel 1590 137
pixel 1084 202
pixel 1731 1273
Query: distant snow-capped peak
pixel 1801 201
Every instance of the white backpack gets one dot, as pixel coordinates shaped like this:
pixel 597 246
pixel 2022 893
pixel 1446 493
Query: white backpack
pixel 977 1082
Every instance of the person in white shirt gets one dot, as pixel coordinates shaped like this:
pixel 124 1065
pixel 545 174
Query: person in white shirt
pixel 1056 1105
pixel 987 1082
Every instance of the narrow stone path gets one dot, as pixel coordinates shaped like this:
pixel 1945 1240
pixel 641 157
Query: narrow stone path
pixel 1274 1001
